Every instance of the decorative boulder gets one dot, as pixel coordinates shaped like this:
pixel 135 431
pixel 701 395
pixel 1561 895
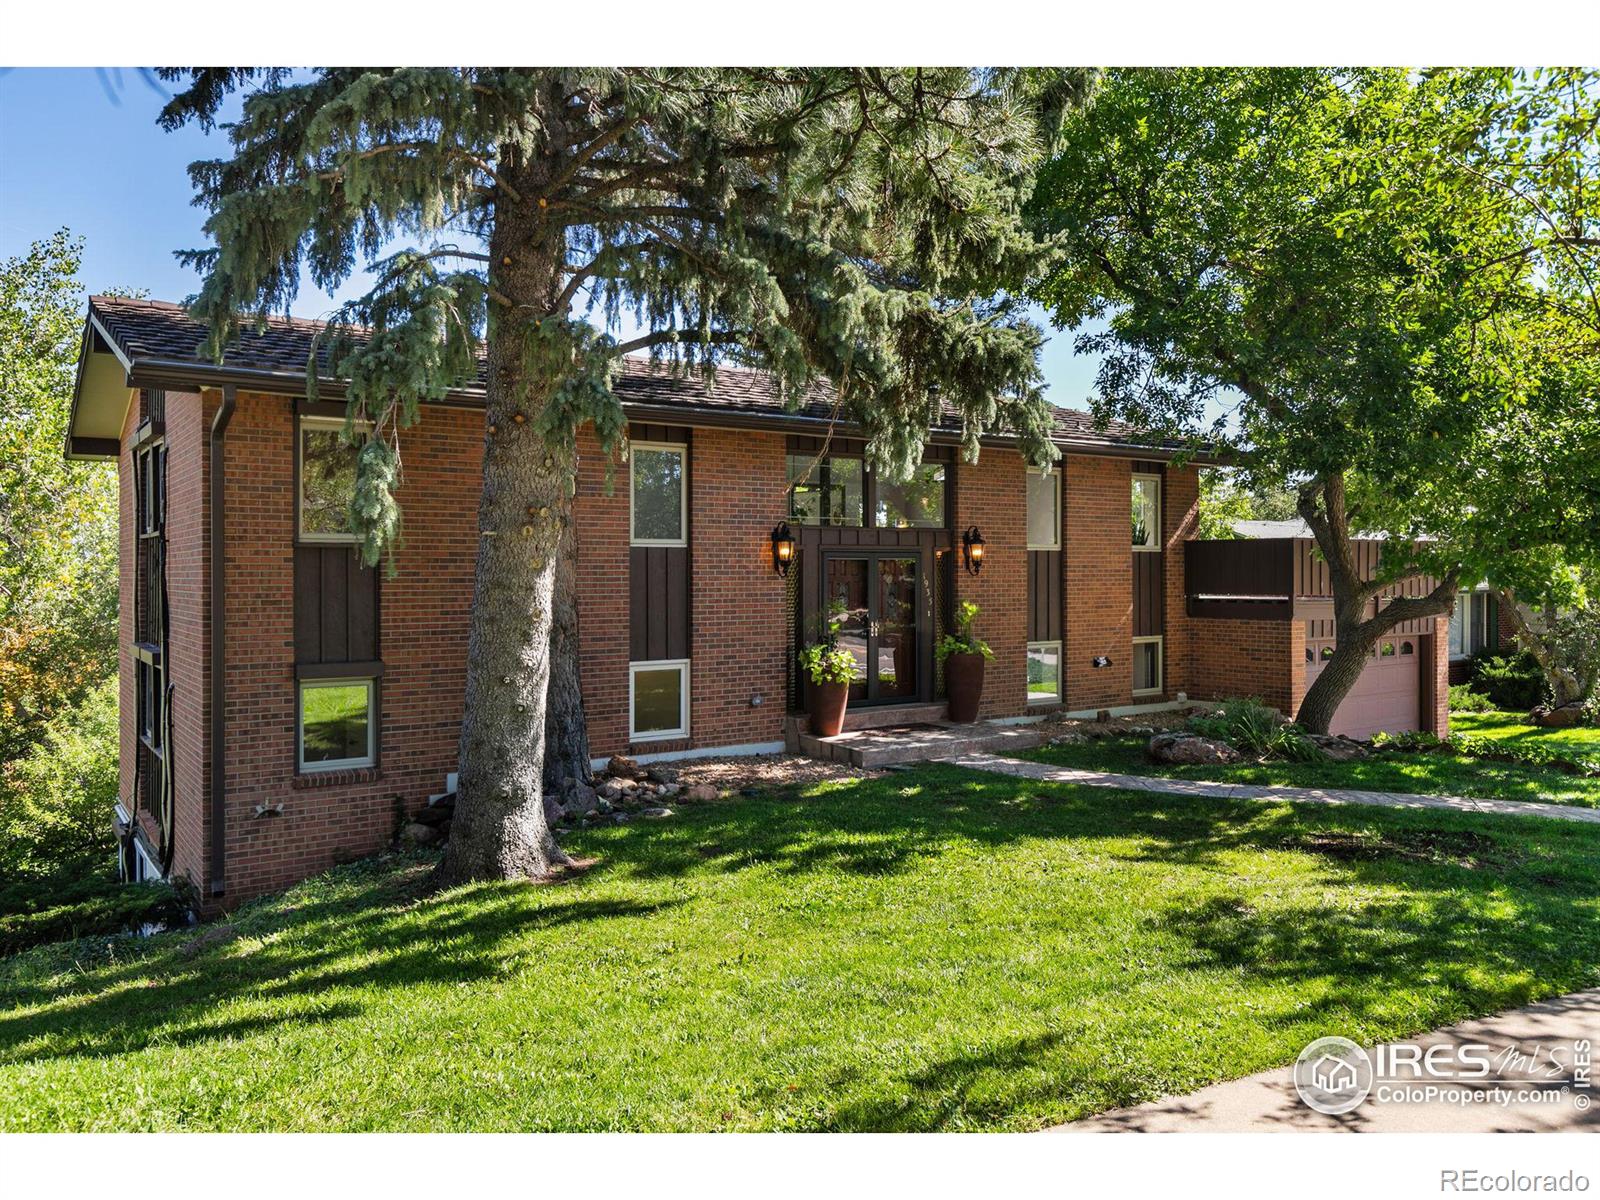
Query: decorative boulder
pixel 419 834
pixel 622 767
pixel 1178 746
pixel 578 798
pixel 661 773
pixel 701 792
pixel 1564 717
pixel 655 814
pixel 1068 739
pixel 1338 748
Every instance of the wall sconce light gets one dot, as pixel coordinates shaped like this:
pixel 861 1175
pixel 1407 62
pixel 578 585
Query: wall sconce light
pixel 972 549
pixel 783 549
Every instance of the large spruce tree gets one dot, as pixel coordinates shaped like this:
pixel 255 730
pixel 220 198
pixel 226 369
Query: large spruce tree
pixel 851 226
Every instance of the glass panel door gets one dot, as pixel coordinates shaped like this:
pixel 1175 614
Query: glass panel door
pixel 846 602
pixel 896 648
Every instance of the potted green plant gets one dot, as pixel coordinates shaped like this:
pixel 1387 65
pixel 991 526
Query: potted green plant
pixel 963 654
pixel 829 669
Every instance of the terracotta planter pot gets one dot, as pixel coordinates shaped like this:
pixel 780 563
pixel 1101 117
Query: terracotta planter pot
pixel 963 677
pixel 826 703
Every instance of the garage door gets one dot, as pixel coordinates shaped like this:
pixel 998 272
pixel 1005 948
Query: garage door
pixel 1386 698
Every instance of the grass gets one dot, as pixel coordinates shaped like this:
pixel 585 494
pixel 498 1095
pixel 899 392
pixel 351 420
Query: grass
pixel 1513 728
pixel 932 950
pixel 1387 771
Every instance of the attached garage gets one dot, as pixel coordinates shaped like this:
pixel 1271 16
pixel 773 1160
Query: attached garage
pixel 1388 696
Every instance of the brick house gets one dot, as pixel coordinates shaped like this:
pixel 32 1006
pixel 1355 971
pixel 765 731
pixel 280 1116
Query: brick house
pixel 284 708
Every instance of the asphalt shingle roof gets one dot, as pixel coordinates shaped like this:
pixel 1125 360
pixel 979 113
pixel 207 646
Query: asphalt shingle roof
pixel 157 330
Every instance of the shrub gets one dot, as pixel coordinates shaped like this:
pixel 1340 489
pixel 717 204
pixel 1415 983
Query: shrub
pixel 1464 699
pixel 1513 683
pixel 80 903
pixel 963 640
pixel 1252 727
pixel 55 802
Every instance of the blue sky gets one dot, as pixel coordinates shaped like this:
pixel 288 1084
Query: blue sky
pixel 83 151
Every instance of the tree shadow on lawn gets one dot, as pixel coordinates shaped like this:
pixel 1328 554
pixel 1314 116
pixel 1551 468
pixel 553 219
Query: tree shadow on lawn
pixel 368 931
pixel 294 957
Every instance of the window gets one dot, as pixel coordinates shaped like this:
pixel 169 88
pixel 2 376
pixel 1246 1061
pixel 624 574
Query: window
pixel 1044 672
pixel 1387 651
pixel 658 700
pixel 151 697
pixel 1472 624
pixel 1147 512
pixel 918 503
pixel 659 498
pixel 327 466
pixel 1044 509
pixel 336 726
pixel 826 491
pixel 1146 666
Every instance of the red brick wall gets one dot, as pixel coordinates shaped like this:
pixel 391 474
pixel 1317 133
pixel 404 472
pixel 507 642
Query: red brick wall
pixel 737 494
pixel 1265 659
pixel 127 582
pixel 188 573
pixel 992 494
pixel 1097 560
pixel 1436 698
pixel 424 608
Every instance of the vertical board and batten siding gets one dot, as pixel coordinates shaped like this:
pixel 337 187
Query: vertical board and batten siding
pixel 1044 595
pixel 1149 615
pixel 659 583
pixel 335 606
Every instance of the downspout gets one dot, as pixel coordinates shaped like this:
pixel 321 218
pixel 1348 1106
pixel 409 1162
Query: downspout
pixel 219 726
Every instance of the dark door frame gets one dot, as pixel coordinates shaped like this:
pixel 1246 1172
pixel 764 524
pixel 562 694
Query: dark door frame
pixel 872 555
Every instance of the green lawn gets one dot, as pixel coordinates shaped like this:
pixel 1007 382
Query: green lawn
pixel 1389 771
pixel 1513 728
pixel 937 949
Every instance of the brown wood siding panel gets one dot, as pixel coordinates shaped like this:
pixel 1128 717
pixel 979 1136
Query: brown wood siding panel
pixel 657 433
pixel 658 603
pixel 1148 611
pixel 1241 567
pixel 1044 595
pixel 336 616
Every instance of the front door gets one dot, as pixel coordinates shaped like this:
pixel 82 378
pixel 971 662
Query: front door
pixel 875 598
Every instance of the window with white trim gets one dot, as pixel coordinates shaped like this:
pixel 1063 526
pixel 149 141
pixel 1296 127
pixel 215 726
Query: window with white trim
pixel 658 700
pixel 1147 512
pixel 335 724
pixel 658 499
pixel 1147 665
pixel 1044 672
pixel 1469 624
pixel 1044 509
pixel 326 466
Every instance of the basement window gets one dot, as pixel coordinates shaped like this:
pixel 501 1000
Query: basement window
pixel 658 700
pixel 658 499
pixel 1146 666
pixel 335 726
pixel 1044 672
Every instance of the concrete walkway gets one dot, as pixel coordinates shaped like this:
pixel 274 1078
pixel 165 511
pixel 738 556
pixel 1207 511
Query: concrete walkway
pixel 1212 790
pixel 1268 1102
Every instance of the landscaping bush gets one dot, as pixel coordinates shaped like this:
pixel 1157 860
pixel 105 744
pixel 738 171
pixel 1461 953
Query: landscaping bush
pixel 1252 727
pixel 1513 683
pixel 56 800
pixel 1490 749
pixel 1464 699
pixel 80 902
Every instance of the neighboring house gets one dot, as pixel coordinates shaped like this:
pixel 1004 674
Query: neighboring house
pixel 1267 603
pixel 284 708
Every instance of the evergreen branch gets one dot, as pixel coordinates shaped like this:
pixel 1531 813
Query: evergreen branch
pixel 675 337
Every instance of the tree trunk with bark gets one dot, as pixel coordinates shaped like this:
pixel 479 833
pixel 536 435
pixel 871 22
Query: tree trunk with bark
pixel 1533 635
pixel 499 830
pixel 1355 632
pixel 566 733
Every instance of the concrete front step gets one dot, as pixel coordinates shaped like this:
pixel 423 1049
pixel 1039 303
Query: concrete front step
pixel 883 746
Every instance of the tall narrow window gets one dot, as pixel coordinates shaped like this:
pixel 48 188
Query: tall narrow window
pixel 1044 509
pixel 658 496
pixel 1146 666
pixel 327 467
pixel 1147 512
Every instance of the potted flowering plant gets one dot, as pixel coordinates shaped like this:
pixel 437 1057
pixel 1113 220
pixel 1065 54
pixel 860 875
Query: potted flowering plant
pixel 963 654
pixel 829 669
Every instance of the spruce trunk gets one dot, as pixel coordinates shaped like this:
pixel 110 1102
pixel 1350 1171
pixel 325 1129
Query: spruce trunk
pixel 566 733
pixel 499 830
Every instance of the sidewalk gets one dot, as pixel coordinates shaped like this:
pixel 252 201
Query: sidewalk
pixel 1211 790
pixel 1268 1103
